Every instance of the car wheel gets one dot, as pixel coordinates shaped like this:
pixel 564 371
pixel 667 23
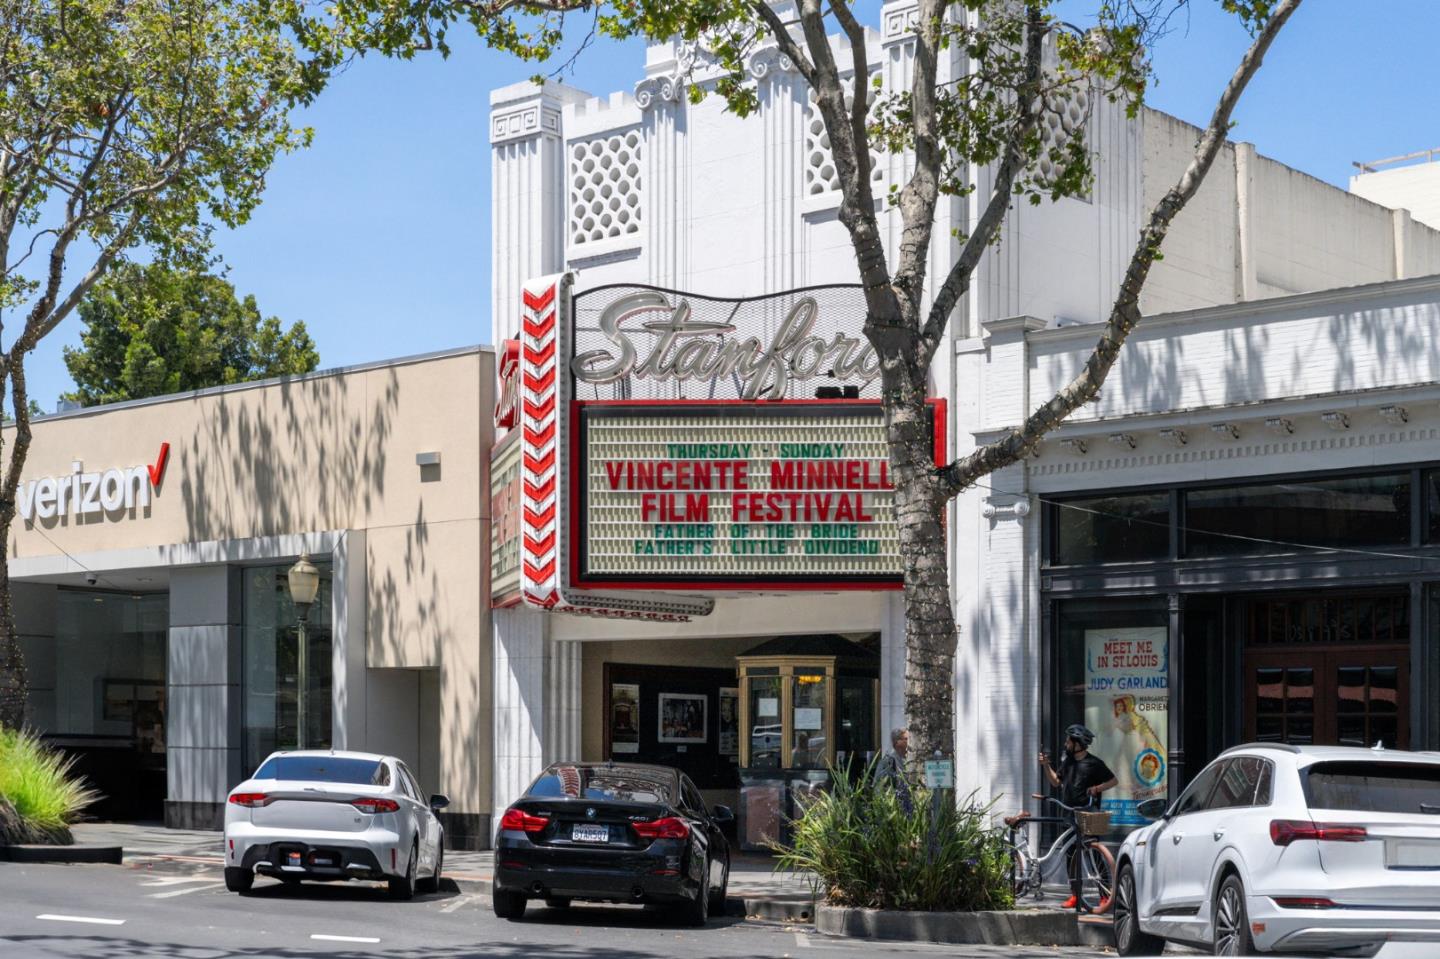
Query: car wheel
pixel 403 887
pixel 433 883
pixel 1232 925
pixel 508 905
pixel 1129 940
pixel 696 912
pixel 717 898
pixel 238 880
pixel 558 902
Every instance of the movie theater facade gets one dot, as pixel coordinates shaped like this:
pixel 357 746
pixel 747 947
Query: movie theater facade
pixel 696 559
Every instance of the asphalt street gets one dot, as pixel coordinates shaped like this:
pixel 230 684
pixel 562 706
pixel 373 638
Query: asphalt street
pixel 125 912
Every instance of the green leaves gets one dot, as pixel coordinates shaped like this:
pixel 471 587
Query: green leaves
pixel 866 851
pixel 154 330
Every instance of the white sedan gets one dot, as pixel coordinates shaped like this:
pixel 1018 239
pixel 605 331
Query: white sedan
pixel 331 816
pixel 1320 850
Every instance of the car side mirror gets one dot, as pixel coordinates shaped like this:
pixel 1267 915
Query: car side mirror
pixel 439 802
pixel 722 814
pixel 1152 809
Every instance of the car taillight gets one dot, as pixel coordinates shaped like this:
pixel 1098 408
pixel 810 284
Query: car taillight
pixel 250 800
pixel 1285 831
pixel 667 828
pixel 1304 902
pixel 522 821
pixel 375 805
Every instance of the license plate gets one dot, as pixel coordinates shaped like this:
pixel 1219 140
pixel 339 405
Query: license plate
pixel 587 833
pixel 324 861
pixel 1412 854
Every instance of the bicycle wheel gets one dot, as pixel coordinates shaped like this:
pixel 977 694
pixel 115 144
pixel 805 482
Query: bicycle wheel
pixel 1020 867
pixel 1097 876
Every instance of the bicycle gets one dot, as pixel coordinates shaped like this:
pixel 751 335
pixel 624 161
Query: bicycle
pixel 1097 865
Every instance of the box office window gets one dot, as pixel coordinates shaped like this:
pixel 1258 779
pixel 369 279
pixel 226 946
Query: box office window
pixel 1112 529
pixel 1280 517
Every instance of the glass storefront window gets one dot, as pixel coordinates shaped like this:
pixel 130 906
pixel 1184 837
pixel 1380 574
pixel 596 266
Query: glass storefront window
pixel 1355 511
pixel 1112 529
pixel 765 728
pixel 808 697
pixel 276 672
pixel 1432 505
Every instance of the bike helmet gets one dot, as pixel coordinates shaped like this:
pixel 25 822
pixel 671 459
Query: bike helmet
pixel 1080 734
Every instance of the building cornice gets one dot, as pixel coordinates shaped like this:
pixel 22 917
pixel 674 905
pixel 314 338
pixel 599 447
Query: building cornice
pixel 1253 308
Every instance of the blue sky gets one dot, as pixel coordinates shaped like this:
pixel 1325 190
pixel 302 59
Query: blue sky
pixel 378 235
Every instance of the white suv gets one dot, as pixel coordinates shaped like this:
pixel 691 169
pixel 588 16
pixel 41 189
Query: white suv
pixel 1311 849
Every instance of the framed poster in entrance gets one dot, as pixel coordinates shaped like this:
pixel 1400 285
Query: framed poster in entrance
pixel 624 718
pixel 729 744
pixel 684 718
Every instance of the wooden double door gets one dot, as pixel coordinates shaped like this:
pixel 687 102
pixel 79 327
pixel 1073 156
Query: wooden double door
pixel 1333 695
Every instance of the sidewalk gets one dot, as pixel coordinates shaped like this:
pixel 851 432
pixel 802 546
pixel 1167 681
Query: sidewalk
pixel 751 877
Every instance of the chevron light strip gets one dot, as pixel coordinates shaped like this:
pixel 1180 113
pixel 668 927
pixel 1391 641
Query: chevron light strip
pixel 541 466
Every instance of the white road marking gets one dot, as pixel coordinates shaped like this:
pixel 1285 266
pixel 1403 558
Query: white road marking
pixel 343 938
pixel 802 940
pixel 185 892
pixel 177 880
pixel 91 919
pixel 457 902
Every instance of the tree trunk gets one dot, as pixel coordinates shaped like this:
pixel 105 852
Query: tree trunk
pixel 14 681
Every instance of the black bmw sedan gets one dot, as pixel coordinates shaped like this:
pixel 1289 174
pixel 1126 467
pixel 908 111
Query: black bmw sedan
pixel 612 832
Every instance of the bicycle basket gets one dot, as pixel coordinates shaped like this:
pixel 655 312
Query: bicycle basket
pixel 1093 823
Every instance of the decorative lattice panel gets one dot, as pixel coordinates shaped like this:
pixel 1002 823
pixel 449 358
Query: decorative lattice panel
pixel 605 186
pixel 821 177
pixel 1063 117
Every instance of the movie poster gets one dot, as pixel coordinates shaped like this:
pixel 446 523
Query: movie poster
pixel 1127 706
pixel 624 718
pixel 683 718
pixel 729 721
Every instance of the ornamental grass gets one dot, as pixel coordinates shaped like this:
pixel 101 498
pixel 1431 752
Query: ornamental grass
pixel 39 794
pixel 865 851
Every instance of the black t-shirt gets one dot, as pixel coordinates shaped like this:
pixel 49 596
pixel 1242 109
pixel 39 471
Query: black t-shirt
pixel 1078 775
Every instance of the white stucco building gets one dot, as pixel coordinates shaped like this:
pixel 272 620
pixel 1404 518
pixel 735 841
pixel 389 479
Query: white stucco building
pixel 642 187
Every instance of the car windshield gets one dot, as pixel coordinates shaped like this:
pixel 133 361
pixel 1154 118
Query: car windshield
pixel 323 769
pixel 1374 787
pixel 618 784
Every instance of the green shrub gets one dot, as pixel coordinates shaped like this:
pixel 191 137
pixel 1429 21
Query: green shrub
pixel 864 850
pixel 39 795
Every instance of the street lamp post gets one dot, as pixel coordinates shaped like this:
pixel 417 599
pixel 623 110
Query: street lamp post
pixel 304 585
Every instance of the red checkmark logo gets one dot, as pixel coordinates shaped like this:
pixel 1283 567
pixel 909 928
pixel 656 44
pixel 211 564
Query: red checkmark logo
pixel 157 469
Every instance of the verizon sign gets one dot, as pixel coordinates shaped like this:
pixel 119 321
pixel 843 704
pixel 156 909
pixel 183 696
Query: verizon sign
pixel 80 492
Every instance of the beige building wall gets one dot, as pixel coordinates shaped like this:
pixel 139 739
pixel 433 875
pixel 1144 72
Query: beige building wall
pixel 253 468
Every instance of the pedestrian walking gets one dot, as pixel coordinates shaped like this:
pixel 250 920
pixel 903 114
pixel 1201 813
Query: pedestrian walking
pixel 891 769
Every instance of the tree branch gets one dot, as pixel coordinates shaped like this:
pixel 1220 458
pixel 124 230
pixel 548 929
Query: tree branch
pixel 781 31
pixel 860 63
pixel 918 198
pixel 1125 313
pixel 1012 161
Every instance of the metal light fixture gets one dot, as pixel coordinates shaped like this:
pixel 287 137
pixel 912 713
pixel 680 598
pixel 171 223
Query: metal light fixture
pixel 1175 437
pixel 1227 431
pixel 304 581
pixel 304 585
pixel 1076 446
pixel 1395 415
pixel 1336 420
pixel 1280 424
pixel 1123 440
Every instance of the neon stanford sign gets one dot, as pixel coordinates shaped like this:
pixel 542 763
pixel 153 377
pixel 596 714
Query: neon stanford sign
pixel 81 493
pixel 685 347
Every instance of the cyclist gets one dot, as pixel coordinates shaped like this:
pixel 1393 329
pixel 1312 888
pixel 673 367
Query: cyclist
pixel 1081 780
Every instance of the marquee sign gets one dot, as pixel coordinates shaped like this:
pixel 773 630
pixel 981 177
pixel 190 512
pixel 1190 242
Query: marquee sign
pixel 735 495
pixel 665 441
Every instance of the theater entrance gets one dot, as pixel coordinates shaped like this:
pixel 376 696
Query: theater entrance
pixel 1328 670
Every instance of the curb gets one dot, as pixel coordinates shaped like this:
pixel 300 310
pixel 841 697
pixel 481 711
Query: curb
pixel 801 909
pixel 1018 928
pixel 62 854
